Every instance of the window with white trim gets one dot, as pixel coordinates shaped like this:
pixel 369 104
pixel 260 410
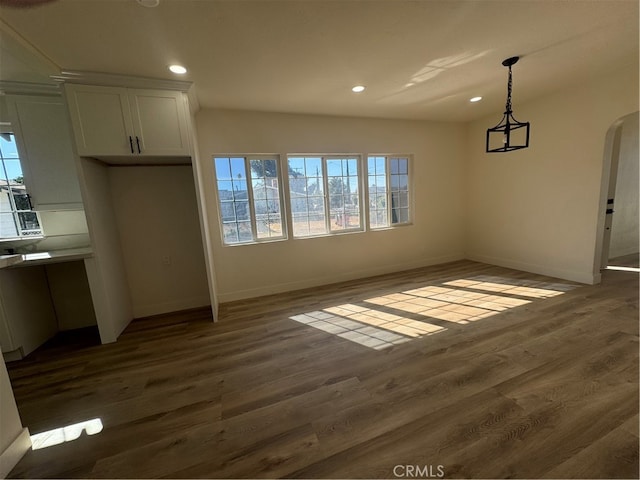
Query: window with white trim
pixel 324 194
pixel 388 182
pixel 17 218
pixel 249 198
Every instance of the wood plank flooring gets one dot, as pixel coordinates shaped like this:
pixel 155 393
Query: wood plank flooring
pixel 481 371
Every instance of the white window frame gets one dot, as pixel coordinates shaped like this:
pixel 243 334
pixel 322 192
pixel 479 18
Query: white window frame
pixel 389 200
pixel 250 198
pixel 329 231
pixel 5 128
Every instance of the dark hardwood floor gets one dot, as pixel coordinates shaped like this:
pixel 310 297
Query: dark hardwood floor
pixel 465 369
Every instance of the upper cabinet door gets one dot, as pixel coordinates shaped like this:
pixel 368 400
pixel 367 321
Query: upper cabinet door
pixel 101 120
pixel 159 122
pixel 44 140
pixel 125 122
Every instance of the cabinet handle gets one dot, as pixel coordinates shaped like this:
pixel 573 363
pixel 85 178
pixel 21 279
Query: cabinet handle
pixel 131 143
pixel 138 143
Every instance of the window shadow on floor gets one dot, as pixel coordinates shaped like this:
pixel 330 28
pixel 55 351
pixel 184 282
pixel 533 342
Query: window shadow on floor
pixel 394 318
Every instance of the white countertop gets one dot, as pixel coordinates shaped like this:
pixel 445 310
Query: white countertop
pixel 41 258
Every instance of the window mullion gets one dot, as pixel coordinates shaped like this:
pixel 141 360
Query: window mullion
pixel 363 192
pixel 16 223
pixel 284 195
pixel 363 182
pixel 252 210
pixel 387 167
pixel 325 182
pixel 12 201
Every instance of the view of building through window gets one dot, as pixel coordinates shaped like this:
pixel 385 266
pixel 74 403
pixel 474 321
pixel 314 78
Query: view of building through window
pixel 16 216
pixel 324 195
pixel 388 186
pixel 249 198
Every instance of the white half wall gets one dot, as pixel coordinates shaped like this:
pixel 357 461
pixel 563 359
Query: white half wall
pixel 157 216
pixel 436 235
pixel 14 438
pixel 203 215
pixel 537 209
pixel 106 271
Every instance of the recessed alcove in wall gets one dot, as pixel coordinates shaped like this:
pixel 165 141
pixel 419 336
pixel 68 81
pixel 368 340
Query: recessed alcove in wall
pixel 156 215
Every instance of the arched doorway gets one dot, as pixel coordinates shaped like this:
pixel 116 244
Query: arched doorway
pixel 618 220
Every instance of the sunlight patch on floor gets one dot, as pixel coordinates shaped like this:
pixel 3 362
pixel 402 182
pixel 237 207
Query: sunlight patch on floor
pixel 522 288
pixel 65 434
pixel 383 321
pixel 624 269
pixel 363 331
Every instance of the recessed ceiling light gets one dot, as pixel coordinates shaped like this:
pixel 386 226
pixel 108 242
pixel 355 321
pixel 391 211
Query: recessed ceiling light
pixel 475 99
pixel 149 3
pixel 358 88
pixel 179 69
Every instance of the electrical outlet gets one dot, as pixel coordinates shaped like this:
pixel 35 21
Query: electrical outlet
pixel 166 260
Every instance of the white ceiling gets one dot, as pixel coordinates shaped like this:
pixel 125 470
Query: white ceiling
pixel 420 59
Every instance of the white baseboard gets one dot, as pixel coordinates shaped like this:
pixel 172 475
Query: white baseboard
pixel 329 279
pixel 141 311
pixel 14 452
pixel 586 277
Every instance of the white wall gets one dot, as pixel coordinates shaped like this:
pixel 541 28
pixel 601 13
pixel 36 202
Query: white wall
pixel 105 269
pixel 625 223
pixel 71 295
pixel 435 237
pixel 157 218
pixel 537 209
pixel 203 212
pixel 63 229
pixel 14 439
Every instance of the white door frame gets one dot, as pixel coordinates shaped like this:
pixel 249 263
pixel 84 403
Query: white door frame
pixel 607 191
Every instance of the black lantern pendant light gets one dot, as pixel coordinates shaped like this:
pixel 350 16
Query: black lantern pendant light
pixel 509 134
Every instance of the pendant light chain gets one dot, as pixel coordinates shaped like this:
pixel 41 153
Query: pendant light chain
pixel 509 83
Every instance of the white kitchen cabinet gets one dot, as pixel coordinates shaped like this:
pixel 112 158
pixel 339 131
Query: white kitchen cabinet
pixel 43 135
pixel 127 122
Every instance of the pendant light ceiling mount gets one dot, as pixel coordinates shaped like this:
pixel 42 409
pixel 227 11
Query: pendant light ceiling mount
pixel 510 61
pixel 509 134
